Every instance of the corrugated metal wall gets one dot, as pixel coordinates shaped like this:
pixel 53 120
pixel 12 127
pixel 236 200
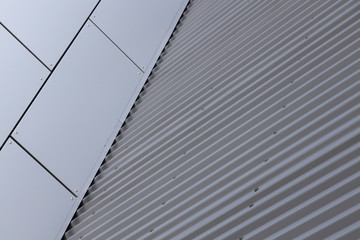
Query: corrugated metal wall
pixel 248 128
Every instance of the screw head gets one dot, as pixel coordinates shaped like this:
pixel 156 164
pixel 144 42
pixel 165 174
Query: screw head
pixel 10 142
pixel 41 78
pixel 71 198
pixel 76 190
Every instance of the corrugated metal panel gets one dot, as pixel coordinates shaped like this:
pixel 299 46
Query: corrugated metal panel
pixel 248 128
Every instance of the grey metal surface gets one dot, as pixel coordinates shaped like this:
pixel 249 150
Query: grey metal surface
pixel 33 205
pixel 248 128
pixel 69 124
pixel 21 77
pixel 137 27
pixel 45 27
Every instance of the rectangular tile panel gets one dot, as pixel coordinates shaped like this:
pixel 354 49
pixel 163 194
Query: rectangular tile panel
pixel 21 76
pixel 73 117
pixel 138 27
pixel 33 205
pixel 45 27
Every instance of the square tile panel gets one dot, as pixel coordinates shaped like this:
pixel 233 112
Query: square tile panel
pixel 45 27
pixel 33 205
pixel 21 76
pixel 70 122
pixel 138 27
